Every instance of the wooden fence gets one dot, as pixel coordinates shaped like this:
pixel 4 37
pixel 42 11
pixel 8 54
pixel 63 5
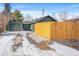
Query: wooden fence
pixel 58 30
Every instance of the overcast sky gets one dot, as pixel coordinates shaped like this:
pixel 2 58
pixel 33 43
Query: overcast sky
pixel 35 9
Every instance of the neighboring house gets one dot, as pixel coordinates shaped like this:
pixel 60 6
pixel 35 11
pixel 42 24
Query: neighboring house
pixel 27 25
pixel 14 26
pixel 72 20
pixel 19 26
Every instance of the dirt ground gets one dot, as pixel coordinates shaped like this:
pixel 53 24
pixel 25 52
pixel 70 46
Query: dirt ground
pixel 42 45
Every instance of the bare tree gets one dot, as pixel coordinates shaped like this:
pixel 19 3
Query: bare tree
pixel 63 15
pixel 1 27
pixel 54 15
pixel 28 18
pixel 76 17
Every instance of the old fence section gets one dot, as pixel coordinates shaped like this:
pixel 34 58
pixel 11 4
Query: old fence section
pixel 57 30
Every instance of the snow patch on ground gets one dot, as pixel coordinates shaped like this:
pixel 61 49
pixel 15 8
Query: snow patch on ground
pixel 64 50
pixel 4 42
pixel 28 49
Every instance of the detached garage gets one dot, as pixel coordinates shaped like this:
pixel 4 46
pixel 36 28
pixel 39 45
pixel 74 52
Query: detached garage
pixel 14 26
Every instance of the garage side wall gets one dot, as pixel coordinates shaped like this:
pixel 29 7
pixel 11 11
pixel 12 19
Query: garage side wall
pixel 43 29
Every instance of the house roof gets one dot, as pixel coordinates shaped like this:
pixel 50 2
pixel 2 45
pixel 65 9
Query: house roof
pixel 47 18
pixel 72 20
pixel 27 22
